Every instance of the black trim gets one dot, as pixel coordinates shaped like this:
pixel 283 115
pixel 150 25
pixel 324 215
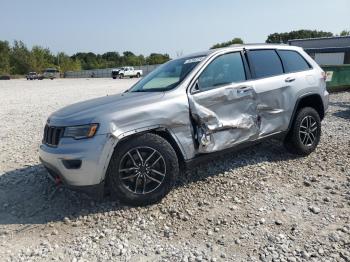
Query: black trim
pixel 296 108
pixel 246 66
pixel 72 163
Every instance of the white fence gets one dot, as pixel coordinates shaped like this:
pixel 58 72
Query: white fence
pixel 106 72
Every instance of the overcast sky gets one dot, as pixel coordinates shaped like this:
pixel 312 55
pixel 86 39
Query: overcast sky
pixel 161 26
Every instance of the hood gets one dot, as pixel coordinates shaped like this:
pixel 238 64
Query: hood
pixel 87 111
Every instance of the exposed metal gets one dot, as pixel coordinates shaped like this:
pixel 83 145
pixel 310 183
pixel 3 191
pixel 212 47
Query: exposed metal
pixel 198 122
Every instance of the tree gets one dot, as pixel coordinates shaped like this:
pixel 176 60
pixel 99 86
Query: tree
pixel 68 64
pixel 228 43
pixel 41 58
pixel 4 57
pixel 155 59
pixel 300 34
pixel 20 58
pixel 345 33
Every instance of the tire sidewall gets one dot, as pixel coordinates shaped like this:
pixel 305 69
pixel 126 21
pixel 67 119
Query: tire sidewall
pixel 300 147
pixel 171 162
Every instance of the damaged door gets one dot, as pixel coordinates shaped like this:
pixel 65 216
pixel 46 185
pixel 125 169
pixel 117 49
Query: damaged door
pixel 223 105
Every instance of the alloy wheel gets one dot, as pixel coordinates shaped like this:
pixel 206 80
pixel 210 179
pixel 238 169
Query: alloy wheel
pixel 142 170
pixel 308 131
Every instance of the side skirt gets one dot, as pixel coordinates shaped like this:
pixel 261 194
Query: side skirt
pixel 194 162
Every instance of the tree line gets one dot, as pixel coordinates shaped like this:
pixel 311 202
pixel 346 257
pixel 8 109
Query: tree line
pixel 17 59
pixel 282 38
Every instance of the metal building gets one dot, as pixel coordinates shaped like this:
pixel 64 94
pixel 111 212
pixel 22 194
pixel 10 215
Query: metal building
pixel 326 50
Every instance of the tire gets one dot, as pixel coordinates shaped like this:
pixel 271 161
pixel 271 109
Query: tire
pixel 127 177
pixel 138 75
pixel 305 132
pixel 121 76
pixel 114 77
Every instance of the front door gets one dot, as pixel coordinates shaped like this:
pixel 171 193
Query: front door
pixel 223 105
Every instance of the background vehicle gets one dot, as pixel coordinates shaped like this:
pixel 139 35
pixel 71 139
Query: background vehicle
pixel 115 73
pixel 129 71
pixel 186 110
pixel 51 73
pixel 32 76
pixel 5 77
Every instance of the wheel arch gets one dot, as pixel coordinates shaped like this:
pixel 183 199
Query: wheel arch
pixel 309 100
pixel 160 131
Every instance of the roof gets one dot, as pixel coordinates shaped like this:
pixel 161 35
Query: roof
pixel 240 47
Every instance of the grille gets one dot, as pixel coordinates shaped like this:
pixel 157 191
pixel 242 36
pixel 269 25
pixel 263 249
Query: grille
pixel 52 135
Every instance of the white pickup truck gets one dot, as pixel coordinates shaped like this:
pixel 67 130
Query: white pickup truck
pixel 129 71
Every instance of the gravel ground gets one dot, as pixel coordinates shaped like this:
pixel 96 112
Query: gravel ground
pixel 260 204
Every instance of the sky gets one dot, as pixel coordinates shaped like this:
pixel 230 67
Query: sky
pixel 161 26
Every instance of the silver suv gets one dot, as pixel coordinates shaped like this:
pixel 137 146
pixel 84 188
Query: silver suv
pixel 134 144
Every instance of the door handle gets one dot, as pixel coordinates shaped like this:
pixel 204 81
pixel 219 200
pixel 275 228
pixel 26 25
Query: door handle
pixel 244 89
pixel 289 79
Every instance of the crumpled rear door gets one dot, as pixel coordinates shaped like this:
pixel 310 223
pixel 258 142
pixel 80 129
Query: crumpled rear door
pixel 224 116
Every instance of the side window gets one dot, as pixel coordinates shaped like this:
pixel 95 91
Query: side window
pixel 293 61
pixel 265 63
pixel 223 70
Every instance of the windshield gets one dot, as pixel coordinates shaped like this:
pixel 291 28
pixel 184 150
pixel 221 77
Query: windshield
pixel 167 76
pixel 51 70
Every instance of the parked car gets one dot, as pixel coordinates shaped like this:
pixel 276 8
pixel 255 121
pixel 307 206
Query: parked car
pixel 32 76
pixel 115 73
pixel 129 71
pixel 189 109
pixel 5 77
pixel 51 73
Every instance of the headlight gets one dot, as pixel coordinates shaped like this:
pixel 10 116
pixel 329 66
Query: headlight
pixel 79 132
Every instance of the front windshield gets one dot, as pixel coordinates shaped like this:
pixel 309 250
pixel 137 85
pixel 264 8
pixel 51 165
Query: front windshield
pixel 167 76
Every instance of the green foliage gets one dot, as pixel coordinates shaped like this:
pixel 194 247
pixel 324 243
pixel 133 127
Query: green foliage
pixel 228 43
pixel 18 59
pixel 114 59
pixel 300 34
pixel 155 59
pixel 67 64
pixel 345 33
pixel 4 57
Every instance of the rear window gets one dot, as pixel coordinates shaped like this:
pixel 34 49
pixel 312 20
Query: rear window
pixel 293 61
pixel 265 63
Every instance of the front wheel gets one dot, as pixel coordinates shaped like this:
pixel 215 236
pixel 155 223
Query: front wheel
pixel 121 76
pixel 142 170
pixel 138 75
pixel 305 133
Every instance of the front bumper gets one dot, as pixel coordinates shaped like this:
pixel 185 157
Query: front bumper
pixel 93 153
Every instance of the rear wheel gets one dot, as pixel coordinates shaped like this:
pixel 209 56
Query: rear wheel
pixel 305 133
pixel 142 170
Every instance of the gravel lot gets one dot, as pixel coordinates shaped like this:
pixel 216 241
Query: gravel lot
pixel 261 204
